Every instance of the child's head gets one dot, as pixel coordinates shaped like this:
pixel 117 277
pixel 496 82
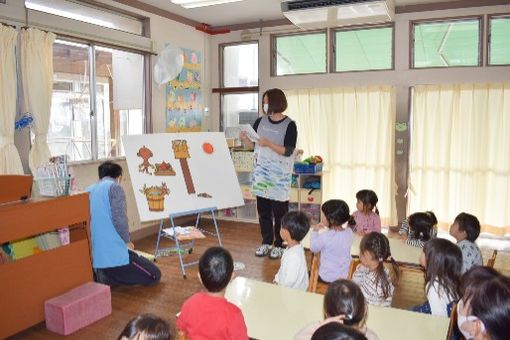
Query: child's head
pixel 465 227
pixel 337 331
pixel 421 225
pixel 146 327
pixel 215 267
pixel 481 287
pixel 374 250
pixel 335 212
pixel 366 201
pixel 345 298
pixel 295 226
pixel 442 260
pixel 109 169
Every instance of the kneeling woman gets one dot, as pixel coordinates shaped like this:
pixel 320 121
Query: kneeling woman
pixel 113 260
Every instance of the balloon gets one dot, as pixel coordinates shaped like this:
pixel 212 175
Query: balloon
pixel 168 64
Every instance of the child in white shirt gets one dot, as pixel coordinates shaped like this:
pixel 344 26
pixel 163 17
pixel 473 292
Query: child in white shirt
pixel 293 272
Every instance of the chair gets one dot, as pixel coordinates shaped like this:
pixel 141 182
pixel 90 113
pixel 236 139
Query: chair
pixel 314 273
pixel 492 260
pixel 411 288
pixel 15 187
pixel 453 322
pixel 354 264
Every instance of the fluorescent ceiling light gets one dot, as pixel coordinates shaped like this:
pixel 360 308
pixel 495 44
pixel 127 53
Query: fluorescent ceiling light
pixel 67 14
pixel 201 3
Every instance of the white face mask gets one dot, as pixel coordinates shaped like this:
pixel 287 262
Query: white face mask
pixel 461 319
pixel 265 107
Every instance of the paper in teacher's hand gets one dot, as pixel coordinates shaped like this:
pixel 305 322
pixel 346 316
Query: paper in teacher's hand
pixel 250 133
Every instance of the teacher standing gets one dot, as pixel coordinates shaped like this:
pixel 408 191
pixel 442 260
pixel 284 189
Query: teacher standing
pixel 272 173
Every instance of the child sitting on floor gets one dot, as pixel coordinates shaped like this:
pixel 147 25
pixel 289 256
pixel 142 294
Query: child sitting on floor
pixel 371 275
pixel 442 261
pixel 333 244
pixel 419 228
pixel 364 220
pixel 466 229
pixel 343 303
pixel 208 315
pixel 146 326
pixel 293 272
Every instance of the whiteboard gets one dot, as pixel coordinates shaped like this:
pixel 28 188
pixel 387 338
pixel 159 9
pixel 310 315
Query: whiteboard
pixel 179 172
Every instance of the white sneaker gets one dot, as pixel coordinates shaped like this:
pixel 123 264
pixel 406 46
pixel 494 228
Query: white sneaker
pixel 276 253
pixel 263 250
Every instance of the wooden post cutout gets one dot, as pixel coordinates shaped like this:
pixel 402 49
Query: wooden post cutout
pixel 181 152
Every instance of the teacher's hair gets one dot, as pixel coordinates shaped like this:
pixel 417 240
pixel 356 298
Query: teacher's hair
pixel 277 102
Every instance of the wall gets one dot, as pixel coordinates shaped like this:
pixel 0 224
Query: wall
pixel 402 78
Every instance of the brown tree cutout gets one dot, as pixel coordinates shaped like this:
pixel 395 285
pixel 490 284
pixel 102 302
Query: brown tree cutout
pixel 181 152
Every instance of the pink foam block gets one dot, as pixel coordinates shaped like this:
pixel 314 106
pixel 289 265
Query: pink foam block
pixel 78 308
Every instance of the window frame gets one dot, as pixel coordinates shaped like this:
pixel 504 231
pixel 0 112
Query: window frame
pixel 92 78
pixel 273 52
pixel 488 37
pixel 413 23
pixel 332 45
pixel 222 90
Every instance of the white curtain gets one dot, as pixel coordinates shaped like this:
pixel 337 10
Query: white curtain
pixel 10 162
pixel 37 75
pixel 460 153
pixel 353 129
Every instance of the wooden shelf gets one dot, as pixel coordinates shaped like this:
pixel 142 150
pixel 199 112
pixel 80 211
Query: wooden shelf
pixel 26 283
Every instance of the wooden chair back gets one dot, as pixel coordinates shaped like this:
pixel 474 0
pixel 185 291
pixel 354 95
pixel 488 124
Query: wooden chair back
pixel 492 260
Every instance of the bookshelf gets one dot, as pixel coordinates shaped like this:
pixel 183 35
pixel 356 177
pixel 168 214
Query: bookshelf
pixel 26 283
pixel 301 198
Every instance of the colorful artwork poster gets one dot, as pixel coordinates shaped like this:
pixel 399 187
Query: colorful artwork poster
pixel 184 96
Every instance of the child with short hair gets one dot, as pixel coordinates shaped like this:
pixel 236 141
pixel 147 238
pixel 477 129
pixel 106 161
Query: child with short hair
pixel 419 228
pixel 344 302
pixel 484 310
pixel 364 220
pixel 293 272
pixel 208 315
pixel 442 261
pixel 465 229
pixel 371 275
pixel 146 326
pixel 333 244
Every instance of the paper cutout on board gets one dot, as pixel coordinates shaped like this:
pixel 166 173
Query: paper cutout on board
pixel 164 169
pixel 181 152
pixel 401 127
pixel 155 196
pixel 145 153
pixel 208 148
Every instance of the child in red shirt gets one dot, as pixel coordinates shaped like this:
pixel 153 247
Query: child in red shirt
pixel 208 315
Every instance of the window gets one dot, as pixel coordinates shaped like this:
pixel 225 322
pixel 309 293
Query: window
pixel 364 49
pixel 118 94
pixel 446 43
pixel 499 41
pixel 299 54
pixel 87 13
pixel 239 78
pixel 241 65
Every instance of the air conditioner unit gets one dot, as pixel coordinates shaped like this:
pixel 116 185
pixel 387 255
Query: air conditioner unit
pixel 309 14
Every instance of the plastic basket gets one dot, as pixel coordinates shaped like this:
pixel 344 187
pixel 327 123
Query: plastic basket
pixel 305 168
pixel 53 186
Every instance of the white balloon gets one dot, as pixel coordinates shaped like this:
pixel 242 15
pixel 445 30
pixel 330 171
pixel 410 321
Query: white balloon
pixel 168 64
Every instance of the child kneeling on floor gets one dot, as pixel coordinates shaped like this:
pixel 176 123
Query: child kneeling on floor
pixel 208 315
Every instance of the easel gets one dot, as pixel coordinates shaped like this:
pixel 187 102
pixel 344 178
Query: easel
pixel 183 247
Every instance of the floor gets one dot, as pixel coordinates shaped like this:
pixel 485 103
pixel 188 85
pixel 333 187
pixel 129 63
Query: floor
pixel 166 298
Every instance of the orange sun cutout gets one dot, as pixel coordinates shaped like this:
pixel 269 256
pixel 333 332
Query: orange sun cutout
pixel 208 148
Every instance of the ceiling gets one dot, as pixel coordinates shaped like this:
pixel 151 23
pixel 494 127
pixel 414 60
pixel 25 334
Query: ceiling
pixel 245 11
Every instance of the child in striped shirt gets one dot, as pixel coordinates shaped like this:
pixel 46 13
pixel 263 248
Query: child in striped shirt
pixel 371 275
pixel 418 228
